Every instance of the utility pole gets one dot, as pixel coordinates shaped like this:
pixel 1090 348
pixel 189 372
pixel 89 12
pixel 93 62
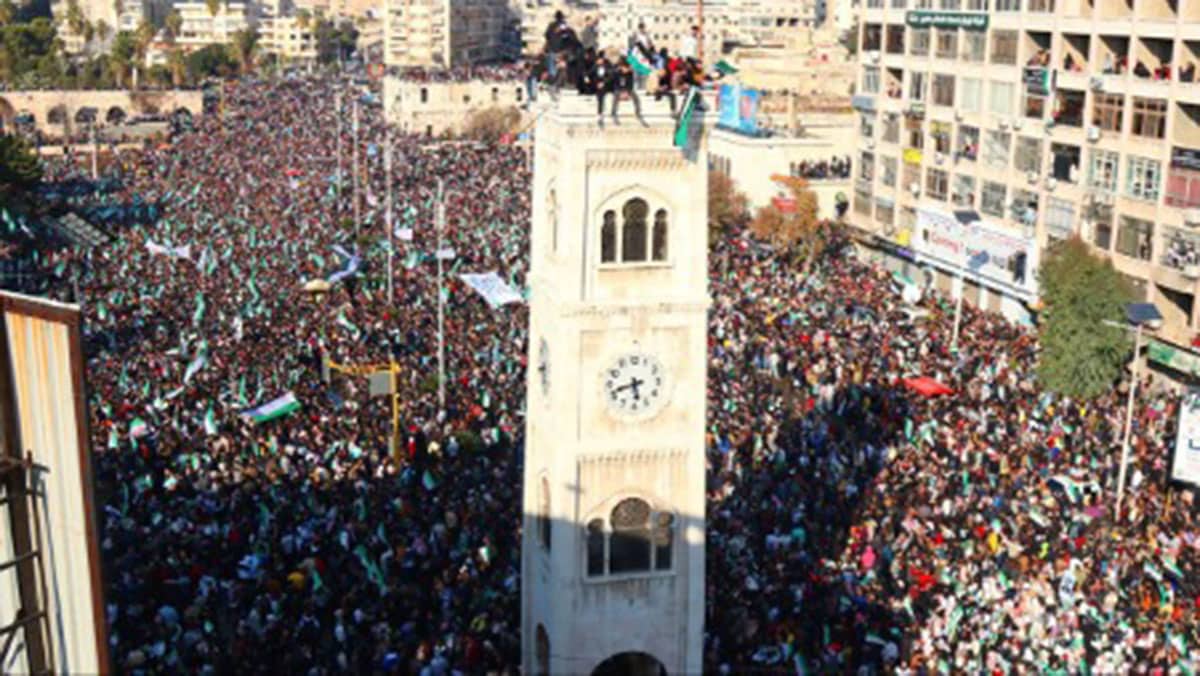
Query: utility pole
pixel 95 153
pixel 441 306
pixel 700 38
pixel 354 168
pixel 337 185
pixel 387 173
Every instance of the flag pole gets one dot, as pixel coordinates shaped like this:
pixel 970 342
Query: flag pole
pixel 387 172
pixel 354 170
pixel 441 306
pixel 337 185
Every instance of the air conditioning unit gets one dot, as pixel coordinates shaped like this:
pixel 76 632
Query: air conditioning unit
pixel 873 57
pixel 1191 271
pixel 1096 84
pixel 870 143
pixel 1031 176
pixel 1051 183
pixel 1104 199
pixel 1003 124
pixel 958 116
pixel 1017 122
pixel 1093 134
pixel 939 158
pixel 914 188
pixel 1191 217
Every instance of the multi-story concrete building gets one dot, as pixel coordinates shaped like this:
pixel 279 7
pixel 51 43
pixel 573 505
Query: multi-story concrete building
pixel 991 128
pixel 443 32
pixel 106 18
pixel 202 27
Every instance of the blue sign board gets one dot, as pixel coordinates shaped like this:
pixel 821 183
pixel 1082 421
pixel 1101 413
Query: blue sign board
pixel 738 109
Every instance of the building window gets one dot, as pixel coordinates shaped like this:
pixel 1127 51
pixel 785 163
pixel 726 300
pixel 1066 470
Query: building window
pixel 633 231
pixel 659 248
pixel 1108 111
pixel 1000 98
pixel 1025 206
pixel 1149 117
pixel 1183 188
pixel 936 184
pixel 940 133
pixel 424 95
pixel 596 544
pixel 1060 218
pixel 608 238
pixel 866 125
pixel 964 191
pixel 919 46
pixel 1007 5
pixel 544 515
pixel 975 50
pixel 891 128
pixel 991 199
pixel 916 86
pixel 996 148
pixel 911 176
pixel 943 90
pixel 887 171
pixel 1102 172
pixel 1142 178
pixel 947 43
pixel 1004 46
pixel 870 80
pixel 968 142
pixel 1029 155
pixel 1181 250
pixel 1135 237
pixel 885 212
pixel 970 90
pixel 866 162
pixel 640 540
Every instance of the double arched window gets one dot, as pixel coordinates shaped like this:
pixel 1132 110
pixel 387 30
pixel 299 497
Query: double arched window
pixel 543 519
pixel 635 239
pixel 635 539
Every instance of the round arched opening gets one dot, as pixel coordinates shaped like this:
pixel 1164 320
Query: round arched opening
pixel 630 664
pixel 7 112
pixel 115 115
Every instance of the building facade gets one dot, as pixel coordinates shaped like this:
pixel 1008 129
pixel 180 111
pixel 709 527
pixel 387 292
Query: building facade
pixel 202 27
pixel 612 555
pixel 435 108
pixel 991 128
pixel 444 33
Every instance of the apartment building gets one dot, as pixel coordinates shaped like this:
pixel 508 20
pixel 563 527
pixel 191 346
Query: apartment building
pixel 990 128
pixel 444 32
pixel 202 27
pixel 124 15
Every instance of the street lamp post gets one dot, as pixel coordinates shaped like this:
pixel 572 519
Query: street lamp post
pixel 441 306
pixel 1140 315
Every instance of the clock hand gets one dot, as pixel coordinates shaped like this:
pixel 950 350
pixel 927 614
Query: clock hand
pixel 635 384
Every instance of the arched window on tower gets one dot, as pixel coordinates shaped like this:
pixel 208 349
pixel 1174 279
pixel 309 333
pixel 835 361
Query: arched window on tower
pixel 542 648
pixel 608 238
pixel 633 231
pixel 659 250
pixel 544 514
pixel 664 537
pixel 629 550
pixel 595 548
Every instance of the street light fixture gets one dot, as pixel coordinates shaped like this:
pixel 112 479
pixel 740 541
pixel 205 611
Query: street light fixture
pixel 1139 315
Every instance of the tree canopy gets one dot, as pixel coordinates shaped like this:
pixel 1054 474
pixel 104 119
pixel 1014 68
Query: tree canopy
pixel 790 223
pixel 1081 355
pixel 728 207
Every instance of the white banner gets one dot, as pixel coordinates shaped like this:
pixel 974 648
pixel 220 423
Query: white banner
pixel 405 234
pixel 1186 465
pixel 446 254
pixel 184 252
pixel 494 290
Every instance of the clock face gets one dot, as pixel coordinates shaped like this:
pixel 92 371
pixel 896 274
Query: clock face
pixel 543 366
pixel 635 386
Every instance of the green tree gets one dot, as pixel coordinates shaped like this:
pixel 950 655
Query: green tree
pixel 490 124
pixel 1081 356
pixel 728 207
pixel 334 40
pixel 8 12
pixel 210 61
pixel 20 171
pixel 174 23
pixel 244 43
pixel 303 19
pixel 103 30
pixel 792 227
pixel 121 56
pixel 214 7
pixel 177 64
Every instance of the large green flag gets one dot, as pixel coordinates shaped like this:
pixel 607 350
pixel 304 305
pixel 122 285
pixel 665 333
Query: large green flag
pixel 683 124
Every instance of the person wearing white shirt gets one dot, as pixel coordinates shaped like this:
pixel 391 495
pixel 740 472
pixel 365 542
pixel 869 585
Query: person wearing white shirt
pixel 688 45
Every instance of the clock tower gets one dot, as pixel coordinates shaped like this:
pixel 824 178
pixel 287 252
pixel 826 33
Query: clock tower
pixel 613 552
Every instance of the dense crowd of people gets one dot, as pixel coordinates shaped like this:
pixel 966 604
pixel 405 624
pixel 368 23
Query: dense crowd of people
pixel 852 523
pixel 834 167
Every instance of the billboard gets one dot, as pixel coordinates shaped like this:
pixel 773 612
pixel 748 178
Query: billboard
pixel 738 109
pixel 1185 466
pixel 53 528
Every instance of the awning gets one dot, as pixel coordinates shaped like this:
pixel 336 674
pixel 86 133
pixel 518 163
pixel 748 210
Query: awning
pixel 967 216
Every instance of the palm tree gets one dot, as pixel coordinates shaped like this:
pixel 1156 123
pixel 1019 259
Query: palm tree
pixel 142 37
pixel 245 42
pixel 8 12
pixel 303 19
pixel 174 23
pixel 103 30
pixel 177 64
pixel 214 7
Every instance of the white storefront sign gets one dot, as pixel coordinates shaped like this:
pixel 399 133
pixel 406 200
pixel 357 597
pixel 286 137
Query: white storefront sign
pixel 1002 260
pixel 1186 463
